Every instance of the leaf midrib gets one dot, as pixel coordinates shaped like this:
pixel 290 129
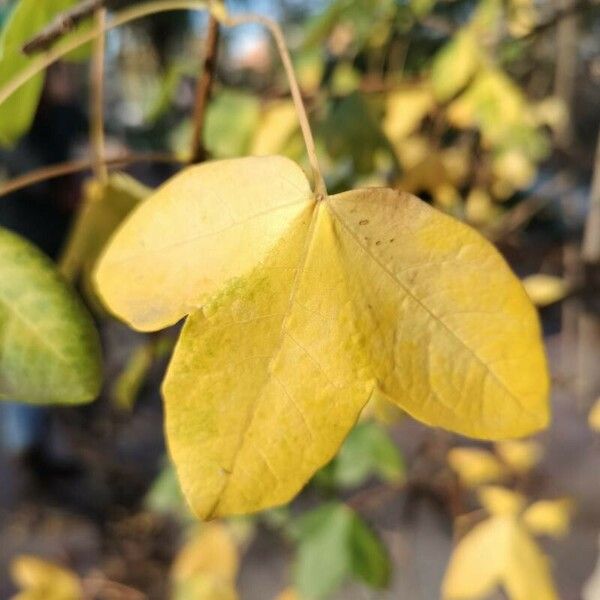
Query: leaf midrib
pixel 252 413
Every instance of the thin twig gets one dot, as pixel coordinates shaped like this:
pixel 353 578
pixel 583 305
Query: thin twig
pixel 97 99
pixel 63 24
pixel 84 164
pixel 309 142
pixel 204 89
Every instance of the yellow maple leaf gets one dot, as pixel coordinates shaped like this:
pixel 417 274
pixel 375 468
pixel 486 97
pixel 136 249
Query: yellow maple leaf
pixel 405 109
pixel 42 580
pixel 476 466
pixel 498 552
pixel 299 308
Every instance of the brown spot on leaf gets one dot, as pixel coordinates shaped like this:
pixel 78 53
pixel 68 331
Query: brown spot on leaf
pixel 363 222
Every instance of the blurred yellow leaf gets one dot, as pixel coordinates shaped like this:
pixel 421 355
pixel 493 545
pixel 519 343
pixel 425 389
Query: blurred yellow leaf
pixel 514 168
pixel 454 65
pixel 522 17
pixel 475 466
pixel 545 289
pixel 492 103
pixel 479 207
pixel 549 517
pixel 594 416
pixel 498 552
pixel 501 501
pixel 43 580
pixel 212 550
pixel 430 175
pixel 405 109
pixel 207 566
pixel 412 151
pixel 282 326
pixel 520 455
pixel 457 163
pixel 276 125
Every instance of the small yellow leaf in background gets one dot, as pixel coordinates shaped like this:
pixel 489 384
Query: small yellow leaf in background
pixel 493 103
pixel 277 124
pixel 522 17
pixel 455 64
pixel 479 207
pixel 476 466
pixel 478 561
pixel 498 552
pixel 299 310
pixel 594 416
pixel 545 289
pixel 514 168
pixel 520 455
pixel 406 108
pixel 207 566
pixel 43 580
pixel 501 501
pixel 549 517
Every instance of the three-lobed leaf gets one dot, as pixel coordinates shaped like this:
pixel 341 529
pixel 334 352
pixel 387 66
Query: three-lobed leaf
pixel 300 310
pixel 50 348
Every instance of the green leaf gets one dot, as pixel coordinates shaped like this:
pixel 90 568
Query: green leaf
pixel 27 19
pixel 334 544
pixel 50 348
pixel 165 495
pixel 352 130
pixel 367 451
pixel 370 561
pixel 231 119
